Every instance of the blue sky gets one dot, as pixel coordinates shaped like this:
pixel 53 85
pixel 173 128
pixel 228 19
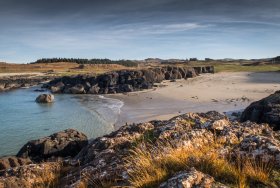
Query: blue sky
pixel 138 29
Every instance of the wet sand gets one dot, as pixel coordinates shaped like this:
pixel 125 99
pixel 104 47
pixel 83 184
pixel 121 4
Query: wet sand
pixel 222 92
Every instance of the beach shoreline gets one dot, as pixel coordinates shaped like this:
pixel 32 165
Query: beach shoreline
pixel 223 92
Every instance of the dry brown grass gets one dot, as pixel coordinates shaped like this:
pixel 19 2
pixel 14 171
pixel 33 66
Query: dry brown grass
pixel 259 170
pixel 59 68
pixel 47 176
pixel 148 166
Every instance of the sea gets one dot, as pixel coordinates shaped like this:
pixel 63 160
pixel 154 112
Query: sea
pixel 22 119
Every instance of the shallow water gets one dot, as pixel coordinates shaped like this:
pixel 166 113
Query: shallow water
pixel 22 119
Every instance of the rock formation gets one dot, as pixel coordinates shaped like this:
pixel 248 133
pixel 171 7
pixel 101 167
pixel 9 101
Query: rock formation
pixel 12 161
pixel 105 155
pixel 266 110
pixel 105 158
pixel 45 98
pixel 32 175
pixel 122 81
pixel 62 144
pixel 14 82
pixel 192 178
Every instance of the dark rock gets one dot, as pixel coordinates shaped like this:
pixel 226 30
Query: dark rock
pixel 167 75
pixel 87 86
pixel 94 89
pixel 112 90
pixel 146 86
pixel 62 144
pixel 45 98
pixel 266 110
pixel 77 89
pixel 103 90
pixel 149 75
pixel 126 88
pixel 57 88
pixel 12 161
pixel 190 73
pixel 14 82
pixel 124 80
pixel 39 90
pixel 2 87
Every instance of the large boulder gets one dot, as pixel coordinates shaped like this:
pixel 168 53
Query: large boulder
pixel 2 86
pixel 57 88
pixel 78 89
pixel 45 98
pixel 266 110
pixel 12 161
pixel 62 144
pixel 125 88
pixel 94 89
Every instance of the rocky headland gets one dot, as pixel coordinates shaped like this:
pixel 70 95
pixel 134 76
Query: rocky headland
pixel 122 81
pixel 8 83
pixel 189 150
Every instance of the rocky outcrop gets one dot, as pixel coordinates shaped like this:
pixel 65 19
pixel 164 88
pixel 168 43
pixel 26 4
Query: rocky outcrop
pixel 14 82
pixel 62 144
pixel 104 159
pixel 33 175
pixel 123 81
pixel 266 110
pixel 12 161
pixel 45 98
pixel 77 89
pixel 191 178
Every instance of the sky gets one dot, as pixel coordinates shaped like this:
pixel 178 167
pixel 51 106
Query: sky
pixel 138 29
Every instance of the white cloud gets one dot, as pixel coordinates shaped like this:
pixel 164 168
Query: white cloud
pixel 142 29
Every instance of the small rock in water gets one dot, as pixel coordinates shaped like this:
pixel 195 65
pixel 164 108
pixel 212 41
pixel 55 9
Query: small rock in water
pixel 39 90
pixel 45 98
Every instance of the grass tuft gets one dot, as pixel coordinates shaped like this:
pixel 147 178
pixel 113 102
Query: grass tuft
pixel 150 165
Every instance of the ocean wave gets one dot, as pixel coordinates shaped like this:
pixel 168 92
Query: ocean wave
pixel 104 108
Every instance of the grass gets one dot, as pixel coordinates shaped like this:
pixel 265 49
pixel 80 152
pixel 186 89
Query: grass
pixel 47 177
pixel 61 69
pixel 66 69
pixel 150 165
pixel 147 137
pixel 239 66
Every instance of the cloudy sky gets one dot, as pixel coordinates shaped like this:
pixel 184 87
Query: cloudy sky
pixel 138 29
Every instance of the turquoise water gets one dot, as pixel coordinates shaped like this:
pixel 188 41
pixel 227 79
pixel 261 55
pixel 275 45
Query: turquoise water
pixel 22 119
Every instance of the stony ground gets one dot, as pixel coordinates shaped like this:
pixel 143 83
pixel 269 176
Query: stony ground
pixel 190 150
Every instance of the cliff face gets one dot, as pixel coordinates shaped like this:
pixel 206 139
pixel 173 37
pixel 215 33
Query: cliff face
pixel 123 81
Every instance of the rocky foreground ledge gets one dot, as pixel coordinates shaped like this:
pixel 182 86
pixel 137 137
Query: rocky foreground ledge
pixel 191 150
pixel 123 81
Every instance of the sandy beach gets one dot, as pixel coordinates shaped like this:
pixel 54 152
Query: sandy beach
pixel 222 92
pixel 21 74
